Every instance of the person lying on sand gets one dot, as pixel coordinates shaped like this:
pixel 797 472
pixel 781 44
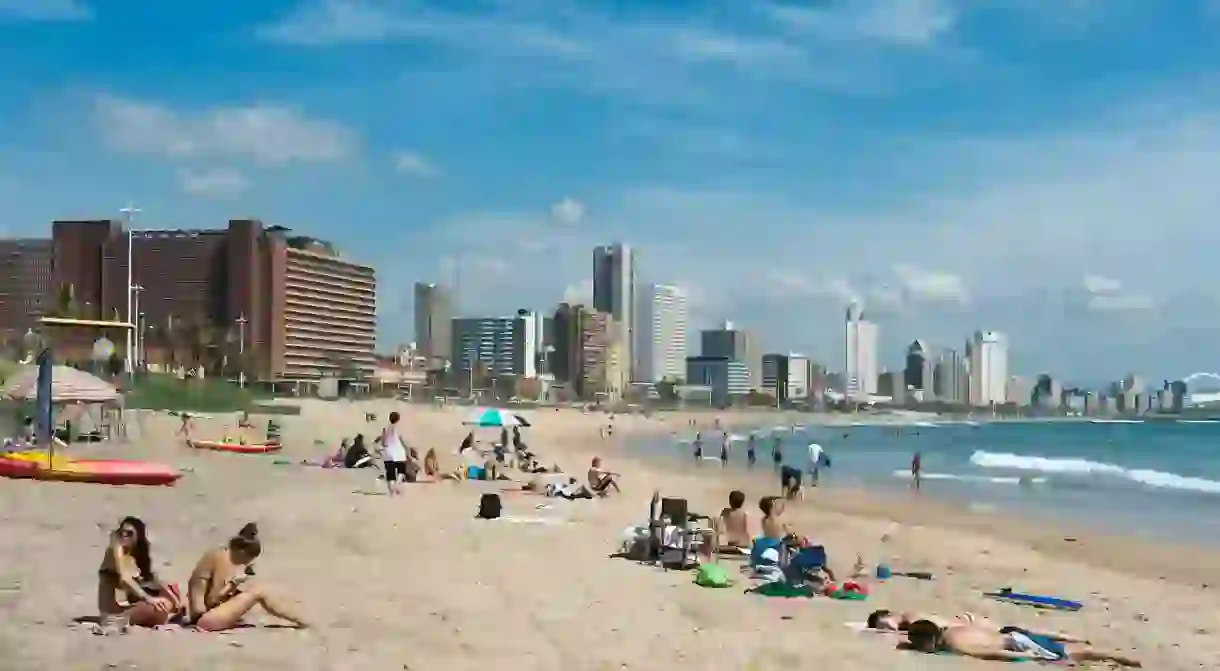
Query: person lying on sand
pixel 735 523
pixel 600 480
pixel 128 591
pixel 219 595
pixel 887 620
pixel 1006 644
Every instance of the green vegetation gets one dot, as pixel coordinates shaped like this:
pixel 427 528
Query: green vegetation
pixel 157 391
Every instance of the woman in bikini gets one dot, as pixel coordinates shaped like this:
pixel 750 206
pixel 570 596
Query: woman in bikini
pixel 128 591
pixel 219 593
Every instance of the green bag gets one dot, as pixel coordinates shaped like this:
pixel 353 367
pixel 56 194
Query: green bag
pixel 712 575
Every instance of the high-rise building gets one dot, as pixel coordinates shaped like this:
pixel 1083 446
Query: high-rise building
pixel 293 305
pixel 860 354
pixel 433 321
pixel 614 292
pixel 730 342
pixel 661 322
pixel 949 377
pixel 26 292
pixel 586 357
pixel 988 369
pixel 787 376
pixel 504 345
pixel 727 378
pixel 919 372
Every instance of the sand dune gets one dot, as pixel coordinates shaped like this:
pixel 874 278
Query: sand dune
pixel 417 583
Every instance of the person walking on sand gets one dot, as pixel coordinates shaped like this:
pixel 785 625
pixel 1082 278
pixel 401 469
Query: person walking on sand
pixel 698 448
pixel 394 452
pixel 724 450
pixel 751 457
pixel 916 470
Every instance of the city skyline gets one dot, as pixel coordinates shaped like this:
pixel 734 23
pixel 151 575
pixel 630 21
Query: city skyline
pixel 1076 158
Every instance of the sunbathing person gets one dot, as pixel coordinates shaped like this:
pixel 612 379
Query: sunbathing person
pixel 600 481
pixel 1006 644
pixel 219 595
pixel 571 491
pixel 887 620
pixel 735 523
pixel 126 570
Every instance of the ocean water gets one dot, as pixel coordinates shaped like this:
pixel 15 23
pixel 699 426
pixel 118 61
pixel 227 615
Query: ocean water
pixel 1154 478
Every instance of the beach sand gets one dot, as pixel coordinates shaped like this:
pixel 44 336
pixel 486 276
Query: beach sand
pixel 415 582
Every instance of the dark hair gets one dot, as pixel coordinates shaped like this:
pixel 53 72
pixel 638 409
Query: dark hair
pixel 246 541
pixel 766 503
pixel 358 441
pixel 924 636
pixel 140 551
pixel 737 499
pixel 394 417
pixel 875 617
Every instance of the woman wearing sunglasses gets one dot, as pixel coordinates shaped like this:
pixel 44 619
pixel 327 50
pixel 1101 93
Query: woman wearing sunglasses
pixel 128 591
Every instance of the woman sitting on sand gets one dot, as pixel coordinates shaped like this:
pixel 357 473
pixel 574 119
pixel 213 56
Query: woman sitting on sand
pixel 126 570
pixel 432 466
pixel 218 594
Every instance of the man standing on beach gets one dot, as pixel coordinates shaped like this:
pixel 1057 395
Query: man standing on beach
pixel 751 457
pixel 698 448
pixel 777 454
pixel 394 452
pixel 916 470
pixel 817 459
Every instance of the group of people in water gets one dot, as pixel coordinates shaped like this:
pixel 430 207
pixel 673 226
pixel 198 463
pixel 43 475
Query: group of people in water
pixel 220 591
pixel 792 474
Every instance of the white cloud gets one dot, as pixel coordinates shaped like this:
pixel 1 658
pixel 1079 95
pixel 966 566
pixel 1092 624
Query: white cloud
pixel 907 23
pixel 265 134
pixel 1106 294
pixel 930 285
pixel 579 292
pixel 415 164
pixel 44 10
pixel 220 183
pixel 568 212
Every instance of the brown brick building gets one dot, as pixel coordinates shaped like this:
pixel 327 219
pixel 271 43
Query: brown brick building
pixel 307 312
pixel 25 283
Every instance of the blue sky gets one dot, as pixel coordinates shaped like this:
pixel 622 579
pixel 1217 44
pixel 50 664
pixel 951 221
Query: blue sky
pixel 1043 168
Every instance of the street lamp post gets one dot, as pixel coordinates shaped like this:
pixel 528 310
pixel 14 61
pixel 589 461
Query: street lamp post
pixel 241 350
pixel 135 323
pixel 129 213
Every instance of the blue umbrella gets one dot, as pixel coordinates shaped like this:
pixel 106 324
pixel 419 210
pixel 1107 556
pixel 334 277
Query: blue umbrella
pixel 44 411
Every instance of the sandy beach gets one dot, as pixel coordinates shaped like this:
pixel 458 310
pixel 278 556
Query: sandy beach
pixel 415 582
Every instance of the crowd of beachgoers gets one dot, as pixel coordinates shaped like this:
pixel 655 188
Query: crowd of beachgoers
pixel 485 551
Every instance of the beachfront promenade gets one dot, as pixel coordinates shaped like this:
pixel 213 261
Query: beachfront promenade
pixel 416 582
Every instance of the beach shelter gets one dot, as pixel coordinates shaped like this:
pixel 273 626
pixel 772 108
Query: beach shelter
pixel 66 385
pixel 494 418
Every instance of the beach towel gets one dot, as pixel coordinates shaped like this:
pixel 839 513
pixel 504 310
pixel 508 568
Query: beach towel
pixel 1034 600
pixel 782 588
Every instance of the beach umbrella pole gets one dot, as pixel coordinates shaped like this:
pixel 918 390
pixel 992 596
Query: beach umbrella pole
pixel 44 406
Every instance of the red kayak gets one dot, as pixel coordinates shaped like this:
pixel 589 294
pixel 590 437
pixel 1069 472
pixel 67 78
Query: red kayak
pixel 36 466
pixel 240 448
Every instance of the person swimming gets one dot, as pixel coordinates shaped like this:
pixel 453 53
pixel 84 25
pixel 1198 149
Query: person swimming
pixel 219 595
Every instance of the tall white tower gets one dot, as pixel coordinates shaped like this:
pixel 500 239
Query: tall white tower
pixel 988 368
pixel 661 333
pixel 614 292
pixel 860 354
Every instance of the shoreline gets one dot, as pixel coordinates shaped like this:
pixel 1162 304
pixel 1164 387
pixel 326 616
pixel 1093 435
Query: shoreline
pixel 1181 562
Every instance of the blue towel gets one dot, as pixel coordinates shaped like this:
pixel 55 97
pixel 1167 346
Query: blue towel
pixel 761 545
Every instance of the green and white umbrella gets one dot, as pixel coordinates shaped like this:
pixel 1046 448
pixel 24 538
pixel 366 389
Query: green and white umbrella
pixel 495 418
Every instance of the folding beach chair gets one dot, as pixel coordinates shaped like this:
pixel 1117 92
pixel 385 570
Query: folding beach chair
pixel 680 537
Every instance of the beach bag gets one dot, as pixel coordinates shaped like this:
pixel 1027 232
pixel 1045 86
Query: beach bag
pixel 712 575
pixel 489 507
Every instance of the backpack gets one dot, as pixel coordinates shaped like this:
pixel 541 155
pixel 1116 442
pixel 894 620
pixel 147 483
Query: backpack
pixel 489 507
pixel 712 575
